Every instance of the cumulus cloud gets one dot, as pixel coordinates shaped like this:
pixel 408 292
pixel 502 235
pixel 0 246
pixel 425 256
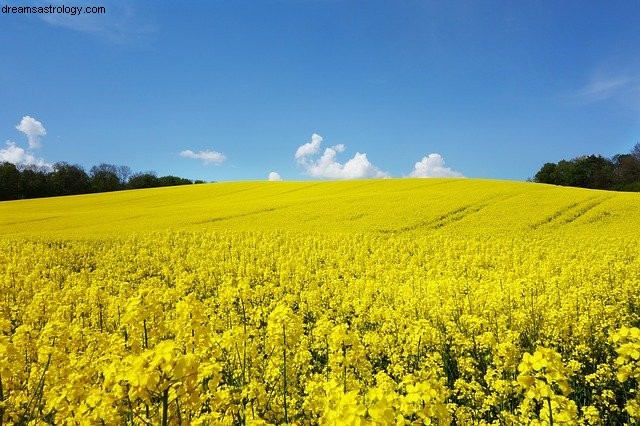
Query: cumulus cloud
pixel 12 153
pixel 209 157
pixel 274 176
pixel 432 166
pixel 33 129
pixel 309 148
pixel 327 165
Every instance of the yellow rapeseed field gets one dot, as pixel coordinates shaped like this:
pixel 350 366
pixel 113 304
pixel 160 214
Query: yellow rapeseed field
pixel 399 301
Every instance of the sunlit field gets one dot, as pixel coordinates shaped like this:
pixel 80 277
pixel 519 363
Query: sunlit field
pixel 399 301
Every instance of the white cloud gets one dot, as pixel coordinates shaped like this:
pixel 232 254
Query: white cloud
pixel 121 23
pixel 432 166
pixel 33 129
pixel 309 148
pixel 209 157
pixel 328 167
pixel 274 177
pixel 18 156
pixel 604 88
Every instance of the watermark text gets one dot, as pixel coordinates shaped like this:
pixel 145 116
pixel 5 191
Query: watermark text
pixel 51 9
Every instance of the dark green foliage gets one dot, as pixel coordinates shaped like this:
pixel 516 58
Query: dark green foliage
pixel 627 167
pixel 18 182
pixel 105 178
pixel 143 180
pixel 69 179
pixel 9 180
pixel 547 173
pixel 173 181
pixel 34 183
pixel 622 172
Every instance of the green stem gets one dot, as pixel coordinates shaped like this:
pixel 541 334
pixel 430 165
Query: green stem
pixel 165 407
pixel 284 356
pixel 344 368
pixel 37 395
pixel 1 401
pixel 244 343
pixel 146 337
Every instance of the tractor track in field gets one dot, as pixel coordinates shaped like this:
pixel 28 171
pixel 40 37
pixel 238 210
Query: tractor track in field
pixel 585 209
pixel 236 216
pixel 457 214
pixel 570 213
pixel 40 219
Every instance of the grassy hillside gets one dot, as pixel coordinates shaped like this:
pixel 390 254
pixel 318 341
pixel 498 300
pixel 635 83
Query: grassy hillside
pixel 382 206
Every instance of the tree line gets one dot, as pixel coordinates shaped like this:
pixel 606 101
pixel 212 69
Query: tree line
pixel 71 179
pixel 620 172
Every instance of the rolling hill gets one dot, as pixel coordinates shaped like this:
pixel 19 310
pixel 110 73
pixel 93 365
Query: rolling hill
pixel 382 206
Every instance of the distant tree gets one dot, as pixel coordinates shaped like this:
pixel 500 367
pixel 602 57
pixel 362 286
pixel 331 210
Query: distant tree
pixel 594 171
pixel 143 180
pixel 35 182
pixel 626 170
pixel 173 181
pixel 635 151
pixel 69 179
pixel 104 177
pixel 622 172
pixel 124 173
pixel 547 174
pixel 565 174
pixel 9 181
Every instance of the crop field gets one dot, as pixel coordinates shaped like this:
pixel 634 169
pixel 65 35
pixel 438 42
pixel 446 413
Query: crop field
pixel 373 302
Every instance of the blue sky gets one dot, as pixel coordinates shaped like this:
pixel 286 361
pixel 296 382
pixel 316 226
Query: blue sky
pixel 312 89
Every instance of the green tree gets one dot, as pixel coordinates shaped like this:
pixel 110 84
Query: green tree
pixel 626 169
pixel 35 183
pixel 173 181
pixel 143 180
pixel 547 174
pixel 594 171
pixel 68 179
pixel 104 178
pixel 9 181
